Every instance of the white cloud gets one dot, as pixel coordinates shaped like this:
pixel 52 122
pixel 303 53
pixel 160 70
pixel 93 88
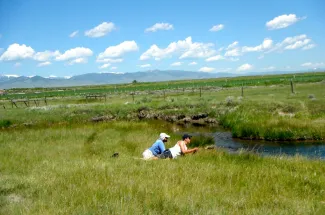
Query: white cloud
pixel 290 43
pixel 46 55
pixel 233 45
pixel 206 69
pixel 79 52
pixel 310 46
pixel 215 58
pixel 233 50
pixel 115 73
pixel 12 76
pixel 53 76
pixel 109 60
pixel 17 64
pixel 260 57
pixel 245 67
pixel 298 44
pixel 267 44
pixel 269 68
pixel 17 52
pixel 113 68
pixel 118 50
pixel 67 77
pixel 282 21
pixel 145 65
pixel 160 26
pixel 101 30
pixel 313 65
pixel 104 66
pixel 185 48
pixel 217 27
pixel 176 64
pixel 192 63
pixel 73 34
pixel 78 60
pixel 44 64
pixel 233 53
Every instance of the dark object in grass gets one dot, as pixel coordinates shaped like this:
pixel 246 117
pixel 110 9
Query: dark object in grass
pixel 5 123
pixel 115 155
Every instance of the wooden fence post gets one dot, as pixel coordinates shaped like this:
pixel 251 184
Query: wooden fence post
pixel 292 90
pixel 242 90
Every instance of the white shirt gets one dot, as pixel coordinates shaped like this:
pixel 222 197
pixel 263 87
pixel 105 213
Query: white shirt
pixel 176 150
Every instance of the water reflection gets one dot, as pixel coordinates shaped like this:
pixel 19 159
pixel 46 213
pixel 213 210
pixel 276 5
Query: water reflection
pixel 311 150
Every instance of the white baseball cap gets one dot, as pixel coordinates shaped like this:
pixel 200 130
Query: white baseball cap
pixel 163 136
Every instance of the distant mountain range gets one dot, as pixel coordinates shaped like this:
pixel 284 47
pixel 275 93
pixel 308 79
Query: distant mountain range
pixel 8 82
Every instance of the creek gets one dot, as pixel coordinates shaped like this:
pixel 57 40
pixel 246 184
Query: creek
pixel 223 140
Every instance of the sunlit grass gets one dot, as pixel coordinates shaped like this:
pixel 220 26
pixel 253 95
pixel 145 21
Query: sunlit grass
pixel 70 170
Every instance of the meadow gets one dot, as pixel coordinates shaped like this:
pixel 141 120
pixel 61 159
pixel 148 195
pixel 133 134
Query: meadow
pixel 55 160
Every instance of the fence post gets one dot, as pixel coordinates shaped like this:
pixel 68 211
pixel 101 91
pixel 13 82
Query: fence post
pixel 242 90
pixel 133 96
pixel 292 90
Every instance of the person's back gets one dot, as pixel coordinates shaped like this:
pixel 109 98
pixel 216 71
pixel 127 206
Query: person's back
pixel 157 148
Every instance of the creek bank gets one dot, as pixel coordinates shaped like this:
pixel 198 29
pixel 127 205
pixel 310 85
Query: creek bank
pixel 200 119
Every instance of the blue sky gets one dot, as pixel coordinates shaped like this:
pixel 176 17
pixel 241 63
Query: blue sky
pixel 66 38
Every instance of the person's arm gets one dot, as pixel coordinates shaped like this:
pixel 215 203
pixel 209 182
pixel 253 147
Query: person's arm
pixel 184 150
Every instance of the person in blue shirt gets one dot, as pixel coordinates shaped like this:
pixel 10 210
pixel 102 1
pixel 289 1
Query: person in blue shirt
pixel 157 148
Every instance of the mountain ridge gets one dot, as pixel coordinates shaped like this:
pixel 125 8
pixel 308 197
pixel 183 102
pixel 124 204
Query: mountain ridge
pixel 8 82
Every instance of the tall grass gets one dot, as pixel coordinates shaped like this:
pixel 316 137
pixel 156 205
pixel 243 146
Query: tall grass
pixel 70 170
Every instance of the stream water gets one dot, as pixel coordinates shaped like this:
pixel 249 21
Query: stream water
pixel 224 140
pixel 309 149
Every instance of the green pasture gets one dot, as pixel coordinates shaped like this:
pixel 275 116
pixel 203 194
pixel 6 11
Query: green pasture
pixel 55 160
pixel 204 84
pixel 69 170
pixel 253 112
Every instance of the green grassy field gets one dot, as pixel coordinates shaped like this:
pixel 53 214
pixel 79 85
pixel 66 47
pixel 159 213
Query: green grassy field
pixel 227 82
pixel 69 170
pixel 264 112
pixel 55 160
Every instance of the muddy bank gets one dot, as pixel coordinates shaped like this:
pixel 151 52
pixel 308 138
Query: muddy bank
pixel 200 119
